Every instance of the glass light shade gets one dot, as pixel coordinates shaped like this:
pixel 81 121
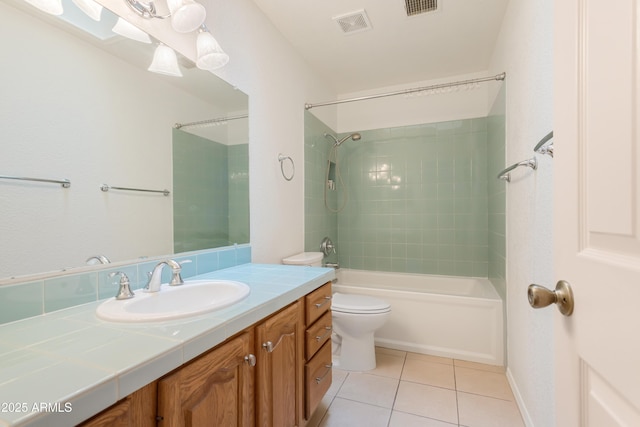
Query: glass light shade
pixel 165 62
pixel 90 7
pixel 53 7
pixel 186 15
pixel 210 55
pixel 126 29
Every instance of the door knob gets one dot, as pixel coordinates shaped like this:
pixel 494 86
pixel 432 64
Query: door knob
pixel 562 296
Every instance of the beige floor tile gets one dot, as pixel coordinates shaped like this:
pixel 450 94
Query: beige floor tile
pixel 481 366
pixel 347 413
pixel 402 419
pixel 431 373
pixel 337 379
pixel 427 401
pixel 430 358
pixel 481 411
pixel 320 411
pixel 484 383
pixel 371 389
pixel 388 366
pixel 391 352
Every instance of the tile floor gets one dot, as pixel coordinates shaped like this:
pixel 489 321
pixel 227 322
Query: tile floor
pixel 417 390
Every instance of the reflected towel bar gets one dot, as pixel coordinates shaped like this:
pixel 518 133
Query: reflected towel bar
pixel 505 175
pixel 545 149
pixel 64 182
pixel 106 187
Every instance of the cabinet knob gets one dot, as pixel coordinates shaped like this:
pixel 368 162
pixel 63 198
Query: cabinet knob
pixel 250 359
pixel 268 346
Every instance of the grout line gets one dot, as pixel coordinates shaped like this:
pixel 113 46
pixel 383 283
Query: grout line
pixel 393 404
pixel 455 386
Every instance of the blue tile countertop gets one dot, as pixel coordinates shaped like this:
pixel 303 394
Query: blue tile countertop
pixel 61 368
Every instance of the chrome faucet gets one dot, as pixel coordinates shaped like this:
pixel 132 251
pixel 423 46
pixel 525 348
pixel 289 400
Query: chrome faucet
pixel 100 258
pixel 153 285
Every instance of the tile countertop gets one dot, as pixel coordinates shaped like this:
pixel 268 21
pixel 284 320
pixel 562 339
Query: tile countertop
pixel 61 368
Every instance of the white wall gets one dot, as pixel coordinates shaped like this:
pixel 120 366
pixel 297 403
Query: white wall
pixel 524 51
pixel 278 83
pixel 407 110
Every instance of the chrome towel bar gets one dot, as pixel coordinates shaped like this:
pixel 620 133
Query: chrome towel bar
pixel 64 182
pixel 542 147
pixel 106 187
pixel 505 175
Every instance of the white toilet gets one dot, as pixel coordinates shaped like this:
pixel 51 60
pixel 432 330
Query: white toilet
pixel 309 259
pixel 355 320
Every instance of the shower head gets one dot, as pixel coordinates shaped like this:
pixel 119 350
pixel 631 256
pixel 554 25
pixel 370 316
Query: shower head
pixel 355 136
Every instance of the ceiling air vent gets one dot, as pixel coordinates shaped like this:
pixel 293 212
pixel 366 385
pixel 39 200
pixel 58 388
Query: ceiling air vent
pixel 416 7
pixel 353 22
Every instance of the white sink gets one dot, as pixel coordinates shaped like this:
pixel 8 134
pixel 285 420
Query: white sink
pixel 173 302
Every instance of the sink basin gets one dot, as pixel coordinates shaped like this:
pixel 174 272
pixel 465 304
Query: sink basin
pixel 174 302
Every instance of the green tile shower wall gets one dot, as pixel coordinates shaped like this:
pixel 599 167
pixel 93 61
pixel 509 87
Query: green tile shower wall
pixel 200 209
pixel 319 221
pixel 496 149
pixel 238 170
pixel 28 299
pixel 417 200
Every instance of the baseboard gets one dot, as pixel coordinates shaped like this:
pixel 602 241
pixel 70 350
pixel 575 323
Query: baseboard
pixel 528 422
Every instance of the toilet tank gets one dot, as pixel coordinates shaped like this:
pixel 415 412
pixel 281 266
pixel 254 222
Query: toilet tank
pixel 310 259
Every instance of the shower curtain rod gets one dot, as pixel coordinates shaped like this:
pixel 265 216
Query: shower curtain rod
pixel 210 121
pixel 501 76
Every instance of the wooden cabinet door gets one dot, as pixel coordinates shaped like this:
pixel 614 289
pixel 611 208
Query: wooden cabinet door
pixel 136 410
pixel 280 369
pixel 216 389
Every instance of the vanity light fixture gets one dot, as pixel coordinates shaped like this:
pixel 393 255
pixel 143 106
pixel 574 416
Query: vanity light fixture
pixel 210 55
pixel 165 61
pixel 127 29
pixel 53 7
pixel 92 9
pixel 186 15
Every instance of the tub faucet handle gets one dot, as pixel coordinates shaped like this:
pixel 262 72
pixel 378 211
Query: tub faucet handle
pixel 327 246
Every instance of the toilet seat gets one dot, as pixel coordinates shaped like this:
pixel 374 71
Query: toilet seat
pixel 358 304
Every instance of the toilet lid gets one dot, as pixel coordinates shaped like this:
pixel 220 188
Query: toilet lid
pixel 348 303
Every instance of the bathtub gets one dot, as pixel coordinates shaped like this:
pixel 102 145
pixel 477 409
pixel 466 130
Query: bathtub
pixel 447 316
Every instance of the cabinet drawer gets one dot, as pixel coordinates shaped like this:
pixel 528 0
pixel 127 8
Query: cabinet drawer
pixel 317 378
pixel 318 334
pixel 317 303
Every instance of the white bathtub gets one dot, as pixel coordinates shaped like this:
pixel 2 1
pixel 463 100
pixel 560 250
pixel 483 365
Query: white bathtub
pixel 445 316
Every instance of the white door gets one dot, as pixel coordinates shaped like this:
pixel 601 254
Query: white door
pixel 597 210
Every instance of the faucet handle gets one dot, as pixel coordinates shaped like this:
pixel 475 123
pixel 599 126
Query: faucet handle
pixel 124 292
pixel 186 261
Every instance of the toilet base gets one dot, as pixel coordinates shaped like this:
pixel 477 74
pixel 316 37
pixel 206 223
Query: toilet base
pixel 356 354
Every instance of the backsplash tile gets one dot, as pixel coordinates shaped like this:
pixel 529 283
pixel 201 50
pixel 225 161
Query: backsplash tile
pixel 21 301
pixel 67 291
pixel 32 298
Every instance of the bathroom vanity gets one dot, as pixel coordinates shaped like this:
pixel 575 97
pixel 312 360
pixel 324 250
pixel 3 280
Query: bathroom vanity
pixel 265 361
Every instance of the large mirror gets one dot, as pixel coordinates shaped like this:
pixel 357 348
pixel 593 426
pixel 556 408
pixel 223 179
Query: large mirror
pixel 80 105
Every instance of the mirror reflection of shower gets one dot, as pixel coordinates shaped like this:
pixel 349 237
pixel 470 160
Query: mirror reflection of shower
pixel 333 177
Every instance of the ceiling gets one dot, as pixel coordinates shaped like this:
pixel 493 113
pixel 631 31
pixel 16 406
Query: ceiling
pixel 456 39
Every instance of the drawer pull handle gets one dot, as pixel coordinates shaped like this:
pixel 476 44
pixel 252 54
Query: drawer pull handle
pixel 321 337
pixel 250 360
pixel 320 379
pixel 270 347
pixel 326 300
